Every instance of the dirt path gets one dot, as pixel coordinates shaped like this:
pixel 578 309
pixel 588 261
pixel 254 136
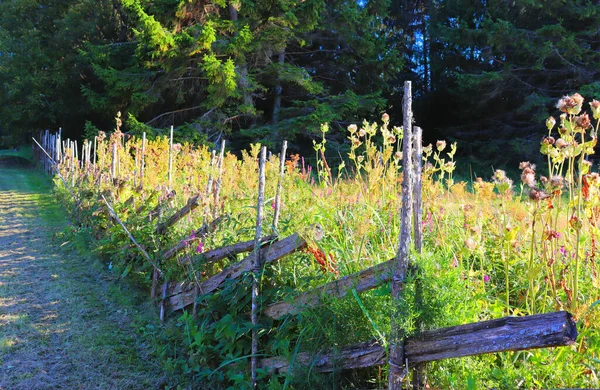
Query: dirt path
pixel 64 321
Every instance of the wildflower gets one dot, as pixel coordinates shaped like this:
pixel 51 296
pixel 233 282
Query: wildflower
pixel 200 248
pixel 548 140
pixel 575 222
pixel 556 182
pixel 552 235
pixel 570 104
pixel 192 235
pixel 470 244
pixel 537 194
pixel 528 177
pixel 398 155
pixel 561 143
pixel 526 164
pixel 385 117
pixel 273 205
pixel 583 121
pixel 486 278
pixel 563 251
pixel 550 122
pixel 352 128
pixel 362 132
pixel 391 139
pixel 595 106
pixel 440 145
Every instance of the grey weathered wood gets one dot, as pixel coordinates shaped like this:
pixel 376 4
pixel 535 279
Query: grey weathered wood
pixel 222 252
pixel 418 377
pixel 257 263
pixel 359 355
pixel 500 335
pixel 140 248
pixel 274 252
pixel 113 168
pixel 397 371
pixel 191 204
pixel 361 281
pixel 201 233
pixel 219 179
pixel 159 207
pixel 143 161
pixel 279 185
pixel 171 157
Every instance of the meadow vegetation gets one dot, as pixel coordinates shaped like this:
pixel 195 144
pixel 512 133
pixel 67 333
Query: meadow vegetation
pixel 492 247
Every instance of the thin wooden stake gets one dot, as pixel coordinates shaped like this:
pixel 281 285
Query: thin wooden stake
pixel 142 166
pixel 257 262
pixel 141 249
pixel 219 179
pixel 397 372
pixel 113 169
pixel 418 379
pixel 279 185
pixel 171 158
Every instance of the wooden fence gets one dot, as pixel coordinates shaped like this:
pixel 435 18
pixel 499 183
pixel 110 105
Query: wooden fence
pixel 402 354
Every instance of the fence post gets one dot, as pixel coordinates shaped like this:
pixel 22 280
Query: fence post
pixel 171 157
pixel 397 368
pixel 219 179
pixel 279 185
pixel 257 263
pixel 113 169
pixel 418 378
pixel 143 159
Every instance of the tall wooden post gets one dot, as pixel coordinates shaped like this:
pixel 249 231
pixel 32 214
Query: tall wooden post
pixel 257 263
pixel 219 179
pixel 171 157
pixel 142 162
pixel 397 368
pixel 279 185
pixel 113 169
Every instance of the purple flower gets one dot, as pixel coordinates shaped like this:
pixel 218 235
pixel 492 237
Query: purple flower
pixel 192 235
pixel 486 278
pixel 273 205
pixel 200 247
pixel 563 251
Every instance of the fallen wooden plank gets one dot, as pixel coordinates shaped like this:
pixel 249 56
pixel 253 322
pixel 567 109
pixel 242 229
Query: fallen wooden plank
pixel 499 335
pixel 361 281
pixel 269 254
pixel 359 355
pixel 191 204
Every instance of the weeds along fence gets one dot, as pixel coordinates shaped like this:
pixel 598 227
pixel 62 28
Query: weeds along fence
pixel 127 184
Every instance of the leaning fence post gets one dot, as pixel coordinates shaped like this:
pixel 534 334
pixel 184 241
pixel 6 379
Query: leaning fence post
pixel 257 263
pixel 142 162
pixel 279 185
pixel 397 366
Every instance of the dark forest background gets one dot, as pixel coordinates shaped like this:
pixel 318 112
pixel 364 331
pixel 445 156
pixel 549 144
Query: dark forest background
pixel 485 73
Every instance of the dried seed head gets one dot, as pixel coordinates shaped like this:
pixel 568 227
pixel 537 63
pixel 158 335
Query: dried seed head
pixel 561 143
pixel 583 121
pixel 548 140
pixel 569 105
pixel 528 177
pixel 537 194
pixel 595 106
pixel 577 98
pixel 470 244
pixel 557 182
pixel 352 128
pixel 440 145
pixel 550 122
pixel 526 164
pixel 385 117
pixel 362 132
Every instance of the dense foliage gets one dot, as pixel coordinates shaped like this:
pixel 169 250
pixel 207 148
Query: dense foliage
pixel 486 71
pixel 498 250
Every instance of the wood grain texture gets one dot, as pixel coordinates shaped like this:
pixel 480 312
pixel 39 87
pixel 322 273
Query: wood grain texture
pixel 269 254
pixel 499 335
pixel 361 281
pixel 191 204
